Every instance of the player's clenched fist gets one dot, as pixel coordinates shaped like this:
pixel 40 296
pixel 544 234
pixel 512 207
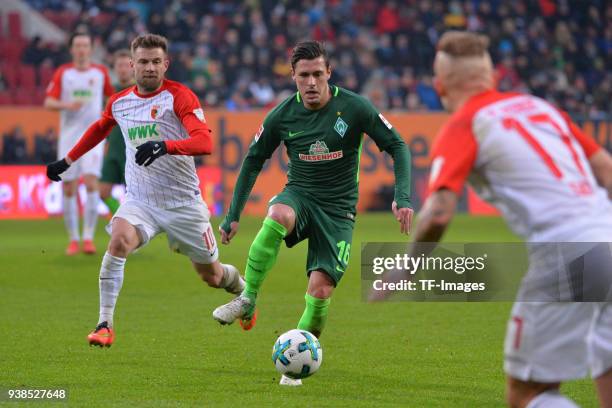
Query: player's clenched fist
pixel 56 168
pixel 149 151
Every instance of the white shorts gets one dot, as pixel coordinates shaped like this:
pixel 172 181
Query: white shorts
pixel 554 341
pixel 188 228
pixel 90 163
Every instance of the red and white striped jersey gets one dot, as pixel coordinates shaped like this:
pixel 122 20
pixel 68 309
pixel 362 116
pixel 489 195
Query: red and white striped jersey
pixel 528 159
pixel 171 114
pixel 88 86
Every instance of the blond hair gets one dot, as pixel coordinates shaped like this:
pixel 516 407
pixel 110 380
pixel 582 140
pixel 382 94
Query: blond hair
pixel 463 44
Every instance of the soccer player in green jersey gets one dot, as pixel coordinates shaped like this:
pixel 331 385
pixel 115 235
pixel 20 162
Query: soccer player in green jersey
pixel 113 167
pixel 322 127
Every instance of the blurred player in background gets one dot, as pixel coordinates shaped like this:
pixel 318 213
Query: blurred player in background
pixel 163 125
pixel 113 167
pixel 322 127
pixel 552 183
pixel 77 90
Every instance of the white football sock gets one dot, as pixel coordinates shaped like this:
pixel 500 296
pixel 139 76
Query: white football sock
pixel 111 280
pixel 71 216
pixel 232 282
pixel 551 399
pixel 90 214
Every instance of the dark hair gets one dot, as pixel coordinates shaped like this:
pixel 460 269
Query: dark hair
pixel 150 41
pixel 308 50
pixel 78 34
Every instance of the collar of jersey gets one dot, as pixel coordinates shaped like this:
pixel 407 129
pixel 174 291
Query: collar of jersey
pixel 150 95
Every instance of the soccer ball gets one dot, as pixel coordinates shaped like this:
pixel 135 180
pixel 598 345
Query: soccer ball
pixel 297 354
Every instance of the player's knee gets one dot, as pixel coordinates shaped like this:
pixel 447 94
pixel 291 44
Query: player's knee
pixel 69 188
pixel 520 393
pixel 120 245
pixel 283 217
pixel 320 285
pixel 321 292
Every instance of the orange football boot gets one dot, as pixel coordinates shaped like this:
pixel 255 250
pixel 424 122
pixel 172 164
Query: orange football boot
pixel 88 247
pixel 248 324
pixel 73 248
pixel 102 336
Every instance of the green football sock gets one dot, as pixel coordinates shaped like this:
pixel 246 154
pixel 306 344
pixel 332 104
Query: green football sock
pixel 315 315
pixel 112 204
pixel 262 256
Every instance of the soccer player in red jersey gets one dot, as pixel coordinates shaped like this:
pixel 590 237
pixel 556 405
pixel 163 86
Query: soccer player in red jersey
pixel 163 126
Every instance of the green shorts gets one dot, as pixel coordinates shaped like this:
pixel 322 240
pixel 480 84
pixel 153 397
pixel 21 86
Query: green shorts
pixel 329 235
pixel 113 170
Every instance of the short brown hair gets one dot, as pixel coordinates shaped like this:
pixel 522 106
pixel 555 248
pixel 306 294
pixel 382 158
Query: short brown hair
pixel 150 41
pixel 463 44
pixel 122 53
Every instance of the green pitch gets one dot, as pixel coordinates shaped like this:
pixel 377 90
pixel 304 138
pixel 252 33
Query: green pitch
pixel 169 351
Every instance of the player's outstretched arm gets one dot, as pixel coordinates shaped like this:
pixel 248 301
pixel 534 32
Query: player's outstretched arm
pixel 90 139
pixel 251 167
pixel 387 139
pixel 265 143
pixel 189 111
pixel 402 207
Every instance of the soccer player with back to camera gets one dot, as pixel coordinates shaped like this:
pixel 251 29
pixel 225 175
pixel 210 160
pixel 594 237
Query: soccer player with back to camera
pixel 552 184
pixel 163 125
pixel 77 90
pixel 322 127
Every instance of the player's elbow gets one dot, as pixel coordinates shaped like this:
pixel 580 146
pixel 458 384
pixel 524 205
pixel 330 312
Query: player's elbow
pixel 205 144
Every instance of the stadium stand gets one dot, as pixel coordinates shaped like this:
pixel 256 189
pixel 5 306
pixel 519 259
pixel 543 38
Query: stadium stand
pixel 234 53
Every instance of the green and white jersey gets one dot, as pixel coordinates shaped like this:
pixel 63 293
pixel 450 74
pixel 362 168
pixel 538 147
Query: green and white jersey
pixel 324 148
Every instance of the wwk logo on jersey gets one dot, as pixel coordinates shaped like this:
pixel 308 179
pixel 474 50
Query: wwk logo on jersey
pixel 143 131
pixel 320 152
pixel 340 127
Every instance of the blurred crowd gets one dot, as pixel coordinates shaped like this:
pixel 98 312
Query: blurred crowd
pixel 14 149
pixel 234 54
